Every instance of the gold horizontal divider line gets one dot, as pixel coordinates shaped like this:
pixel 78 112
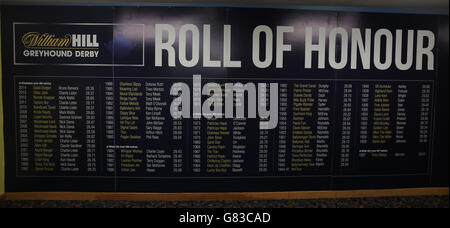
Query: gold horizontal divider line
pixel 104 196
pixel 62 48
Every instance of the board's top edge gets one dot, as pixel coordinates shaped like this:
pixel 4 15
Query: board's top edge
pixel 237 5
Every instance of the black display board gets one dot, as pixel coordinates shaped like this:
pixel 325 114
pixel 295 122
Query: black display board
pixel 331 99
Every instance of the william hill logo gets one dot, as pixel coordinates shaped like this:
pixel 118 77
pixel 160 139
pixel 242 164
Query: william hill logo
pixel 69 45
